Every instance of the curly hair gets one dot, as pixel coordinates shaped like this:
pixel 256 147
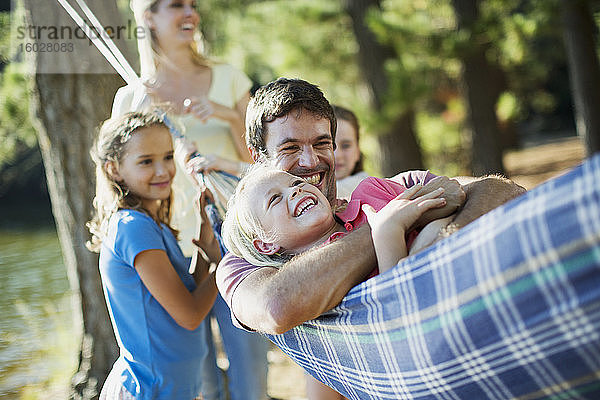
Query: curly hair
pixel 110 145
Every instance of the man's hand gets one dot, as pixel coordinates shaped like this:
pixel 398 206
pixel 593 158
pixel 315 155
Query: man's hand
pixel 453 193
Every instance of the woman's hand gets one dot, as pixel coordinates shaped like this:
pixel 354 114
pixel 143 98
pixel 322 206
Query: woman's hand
pixel 390 224
pixel 203 109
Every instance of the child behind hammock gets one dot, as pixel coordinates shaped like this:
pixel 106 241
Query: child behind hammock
pixel 274 215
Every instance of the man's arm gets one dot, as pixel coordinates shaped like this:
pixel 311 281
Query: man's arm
pixel 483 195
pixel 470 197
pixel 275 300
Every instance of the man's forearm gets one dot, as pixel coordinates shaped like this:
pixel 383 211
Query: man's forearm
pixel 275 300
pixel 483 195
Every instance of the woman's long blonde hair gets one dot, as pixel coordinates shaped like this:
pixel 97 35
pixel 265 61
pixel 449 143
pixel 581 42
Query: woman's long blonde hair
pixel 111 196
pixel 241 226
pixel 150 53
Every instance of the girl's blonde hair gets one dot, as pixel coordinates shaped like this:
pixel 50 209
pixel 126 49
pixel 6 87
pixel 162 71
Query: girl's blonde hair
pixel 150 53
pixel 241 226
pixel 110 145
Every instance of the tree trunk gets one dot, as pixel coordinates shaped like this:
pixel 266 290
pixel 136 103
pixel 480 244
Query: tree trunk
pixel 584 70
pixel 398 146
pixel 68 103
pixel 400 152
pixel 477 80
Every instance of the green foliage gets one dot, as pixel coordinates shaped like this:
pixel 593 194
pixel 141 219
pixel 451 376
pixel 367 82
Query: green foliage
pixel 308 39
pixel 314 40
pixel 441 140
pixel 4 37
pixel 16 131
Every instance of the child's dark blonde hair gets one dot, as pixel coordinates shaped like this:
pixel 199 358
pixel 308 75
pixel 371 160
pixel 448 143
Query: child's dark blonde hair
pixel 111 196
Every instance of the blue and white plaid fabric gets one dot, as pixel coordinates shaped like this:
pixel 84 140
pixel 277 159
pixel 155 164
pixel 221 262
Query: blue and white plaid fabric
pixel 507 308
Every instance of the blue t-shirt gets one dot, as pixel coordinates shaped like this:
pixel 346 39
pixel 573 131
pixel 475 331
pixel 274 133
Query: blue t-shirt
pixel 158 358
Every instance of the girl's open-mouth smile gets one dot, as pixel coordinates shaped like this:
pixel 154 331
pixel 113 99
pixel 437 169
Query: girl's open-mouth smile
pixel 304 205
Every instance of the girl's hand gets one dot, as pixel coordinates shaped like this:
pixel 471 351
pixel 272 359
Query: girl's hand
pixel 390 224
pixel 206 241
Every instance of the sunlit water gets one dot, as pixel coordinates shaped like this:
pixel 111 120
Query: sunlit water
pixel 38 335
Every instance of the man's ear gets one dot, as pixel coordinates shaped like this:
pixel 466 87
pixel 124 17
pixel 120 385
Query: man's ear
pixel 265 248
pixel 112 171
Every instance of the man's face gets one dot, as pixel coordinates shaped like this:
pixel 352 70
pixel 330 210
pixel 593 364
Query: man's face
pixel 301 144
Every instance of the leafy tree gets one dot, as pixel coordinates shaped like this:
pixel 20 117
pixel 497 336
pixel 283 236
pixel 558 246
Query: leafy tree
pixel 19 154
pixel 398 147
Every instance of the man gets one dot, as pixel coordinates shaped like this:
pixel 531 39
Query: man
pixel 290 123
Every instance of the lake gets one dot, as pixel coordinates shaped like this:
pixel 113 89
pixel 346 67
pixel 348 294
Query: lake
pixel 39 337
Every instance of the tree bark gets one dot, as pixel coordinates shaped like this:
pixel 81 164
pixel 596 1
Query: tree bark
pixel 398 146
pixel 67 106
pixel 477 80
pixel 584 70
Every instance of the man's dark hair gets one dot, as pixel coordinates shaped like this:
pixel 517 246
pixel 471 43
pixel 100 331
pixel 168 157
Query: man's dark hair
pixel 277 99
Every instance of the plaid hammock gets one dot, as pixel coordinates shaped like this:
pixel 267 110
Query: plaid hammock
pixel 506 308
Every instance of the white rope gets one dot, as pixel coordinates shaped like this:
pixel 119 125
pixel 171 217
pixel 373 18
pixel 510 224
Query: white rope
pixel 107 39
pixel 101 46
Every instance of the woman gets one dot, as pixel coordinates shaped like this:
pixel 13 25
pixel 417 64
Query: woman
pixel 209 100
pixel 348 158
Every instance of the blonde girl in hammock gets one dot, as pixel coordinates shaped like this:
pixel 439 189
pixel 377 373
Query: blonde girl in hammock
pixel 275 215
